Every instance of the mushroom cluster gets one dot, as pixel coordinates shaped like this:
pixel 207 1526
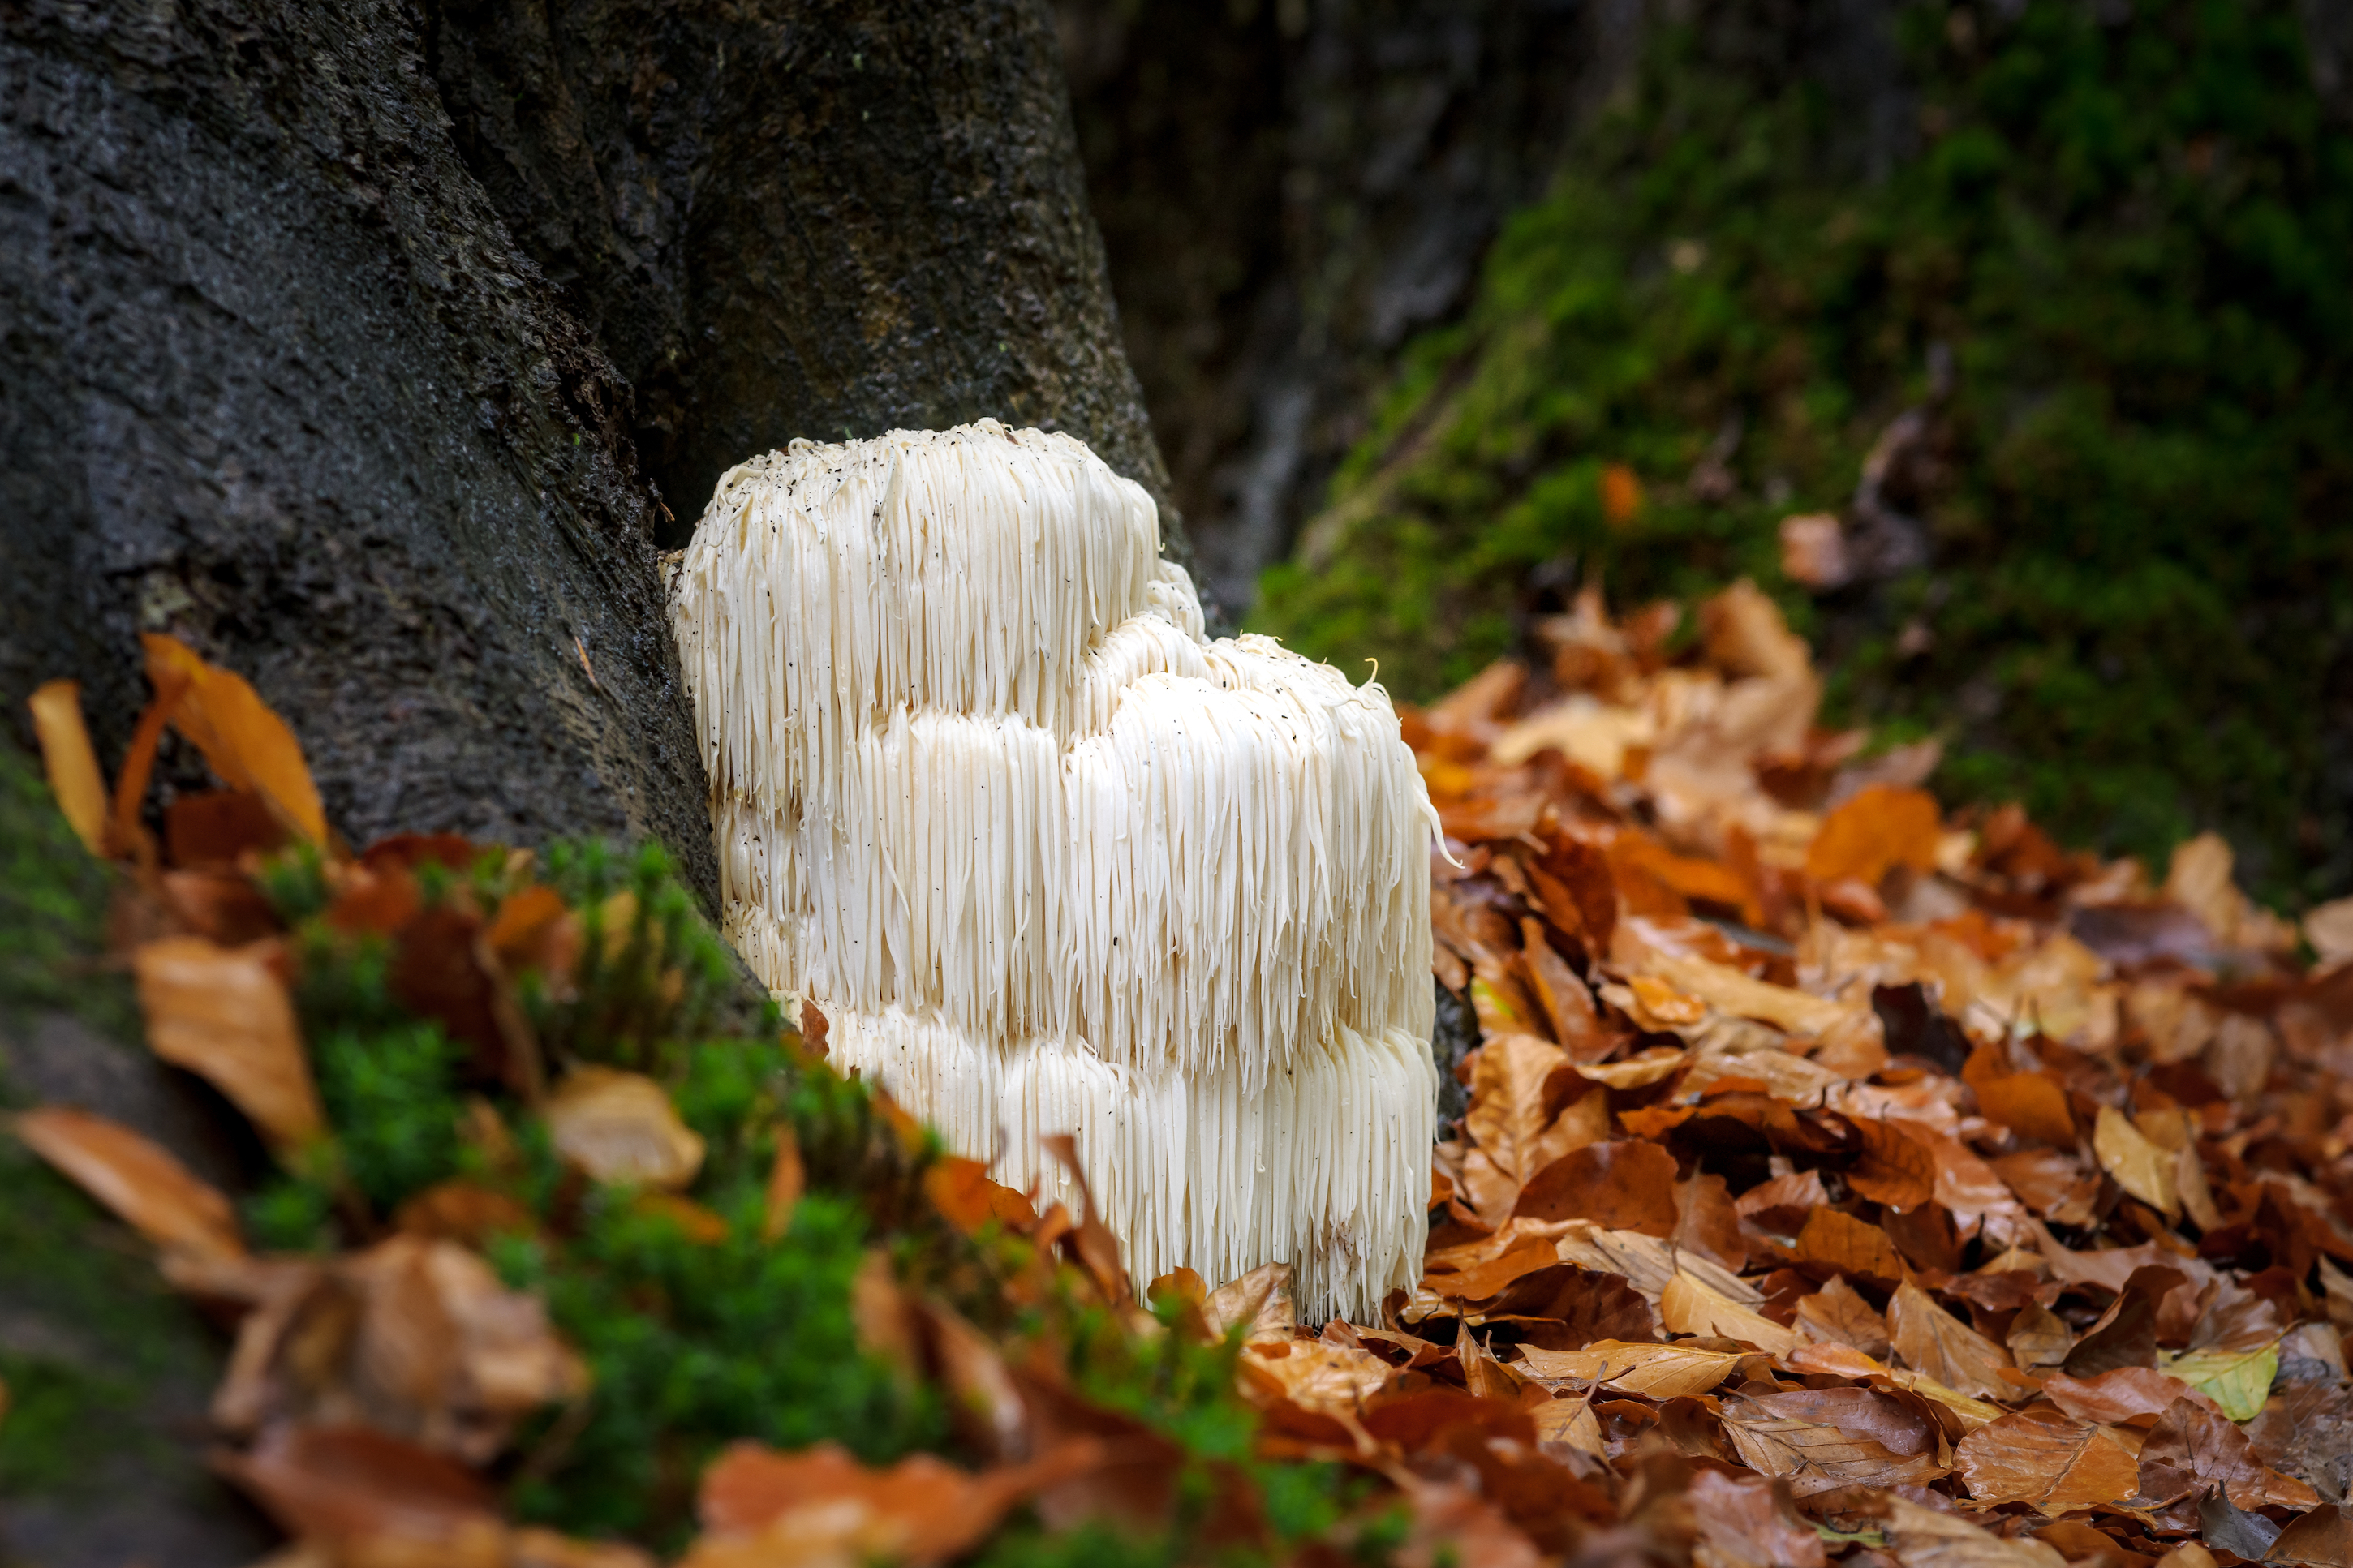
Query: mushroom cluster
pixel 1050 859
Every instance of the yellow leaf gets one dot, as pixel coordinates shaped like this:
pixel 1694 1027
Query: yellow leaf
pixel 71 764
pixel 1689 1307
pixel 1662 1371
pixel 2138 1166
pixel 1636 1071
pixel 247 745
pixel 223 1013
pixel 147 1188
pixel 621 1127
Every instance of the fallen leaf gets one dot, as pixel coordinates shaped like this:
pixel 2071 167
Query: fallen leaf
pixel 2031 1104
pixel 1569 1421
pixel 224 1015
pixel 71 763
pixel 621 1127
pixel 1838 1240
pixel 1509 1114
pixel 1815 1456
pixel 2045 1459
pixel 2123 1394
pixel 1689 1306
pixel 2135 1164
pixel 1728 990
pixel 351 1485
pixel 463 1212
pixel 247 745
pixel 2038 1337
pixel 1897 1169
pixel 1746 1522
pixel 1931 1340
pixel 1923 1536
pixel 1638 1070
pixel 1259 1303
pixel 415 1337
pixel 1837 1314
pixel 1878 829
pixel 821 1506
pixel 1574 1306
pixel 2235 1380
pixel 139 1179
pixel 2323 1537
pixel 1315 1376
pixel 1657 1371
pixel 2194 1448
pixel 2052 1185
pixel 1628 1185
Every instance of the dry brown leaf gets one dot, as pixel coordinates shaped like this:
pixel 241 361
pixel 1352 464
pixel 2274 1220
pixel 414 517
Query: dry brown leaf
pixel 2045 1459
pixel 1509 1114
pixel 1898 1167
pixel 1932 1341
pixel 1638 1070
pixel 1659 1371
pixel 413 1336
pixel 139 1179
pixel 2052 1185
pixel 1815 1456
pixel 2135 1164
pixel 2323 1538
pixel 2125 1394
pixel 1625 1185
pixel 1690 1306
pixel 2039 1337
pixel 1878 829
pixel 762 1509
pixel 1923 1536
pixel 350 1487
pixel 1838 1240
pixel 1838 1314
pixel 1570 1420
pixel 247 745
pixel 70 762
pixel 1259 1303
pixel 2031 1104
pixel 621 1127
pixel 224 1015
pixel 1730 992
pixel 1315 1376
pixel 2194 1447
pixel 1746 1522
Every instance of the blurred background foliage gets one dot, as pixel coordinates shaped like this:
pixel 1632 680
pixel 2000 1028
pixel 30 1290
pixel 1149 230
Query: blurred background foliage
pixel 2103 252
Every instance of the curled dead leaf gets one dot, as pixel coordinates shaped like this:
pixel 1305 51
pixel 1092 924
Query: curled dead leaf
pixel 621 1127
pixel 138 1179
pixel 247 745
pixel 224 1015
pixel 71 763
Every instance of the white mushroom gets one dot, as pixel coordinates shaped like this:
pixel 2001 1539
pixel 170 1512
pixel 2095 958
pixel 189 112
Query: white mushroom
pixel 1052 860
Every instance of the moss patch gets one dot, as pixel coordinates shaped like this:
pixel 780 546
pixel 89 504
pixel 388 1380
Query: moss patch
pixel 2138 614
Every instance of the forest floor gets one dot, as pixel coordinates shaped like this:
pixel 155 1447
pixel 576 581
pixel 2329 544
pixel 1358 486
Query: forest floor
pixel 1834 1179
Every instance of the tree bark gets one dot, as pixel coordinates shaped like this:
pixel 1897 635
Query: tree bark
pixel 323 322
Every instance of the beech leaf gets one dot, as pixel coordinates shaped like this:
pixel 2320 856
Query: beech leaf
pixel 2046 1458
pixel 224 1015
pixel 621 1127
pixel 138 1179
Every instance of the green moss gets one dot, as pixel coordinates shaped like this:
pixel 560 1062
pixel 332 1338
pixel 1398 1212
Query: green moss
pixel 2133 239
pixel 53 901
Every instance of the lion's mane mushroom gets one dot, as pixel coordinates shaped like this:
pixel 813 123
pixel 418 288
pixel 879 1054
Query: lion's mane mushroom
pixel 1050 859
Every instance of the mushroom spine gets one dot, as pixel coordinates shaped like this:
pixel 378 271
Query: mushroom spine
pixel 1050 859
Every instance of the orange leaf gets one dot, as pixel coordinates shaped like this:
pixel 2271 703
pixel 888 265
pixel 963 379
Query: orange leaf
pixel 1880 828
pixel 2042 1457
pixel 70 762
pixel 223 1013
pixel 1839 1240
pixel 1897 1169
pixel 147 1188
pixel 2031 1104
pixel 247 745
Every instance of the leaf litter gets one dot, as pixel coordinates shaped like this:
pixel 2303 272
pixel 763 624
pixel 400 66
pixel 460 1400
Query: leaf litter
pixel 1843 1180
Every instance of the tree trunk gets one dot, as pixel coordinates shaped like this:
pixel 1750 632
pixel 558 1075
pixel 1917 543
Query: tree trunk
pixel 361 347
pixel 323 322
